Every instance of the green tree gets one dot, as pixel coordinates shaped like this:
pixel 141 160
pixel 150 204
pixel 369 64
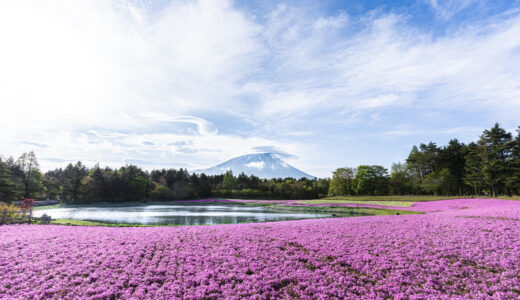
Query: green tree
pixel 342 181
pixel 161 192
pixel 323 186
pixel 431 156
pixel 228 182
pixel 284 190
pixel 8 191
pixel 51 187
pixel 401 179
pixel 73 176
pixel 35 184
pixel 98 189
pixel 513 181
pixel 453 157
pixel 138 187
pixel 371 180
pixel 497 145
pixel 474 175
pixel 204 186
pixel 438 183
pixel 416 162
pixel 32 182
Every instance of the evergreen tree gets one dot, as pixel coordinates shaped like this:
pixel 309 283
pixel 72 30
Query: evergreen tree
pixel 96 190
pixel 242 181
pixel 204 186
pixel 8 191
pixel 416 162
pixel 431 156
pixel 513 181
pixel 73 176
pixel 474 175
pixel 453 158
pixel 497 146
pixel 51 186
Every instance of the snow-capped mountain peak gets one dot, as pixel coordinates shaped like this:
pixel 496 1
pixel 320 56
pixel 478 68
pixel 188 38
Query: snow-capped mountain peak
pixel 263 165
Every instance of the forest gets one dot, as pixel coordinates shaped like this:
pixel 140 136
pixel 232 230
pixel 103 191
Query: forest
pixel 489 166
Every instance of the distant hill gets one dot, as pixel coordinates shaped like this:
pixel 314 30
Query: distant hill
pixel 263 165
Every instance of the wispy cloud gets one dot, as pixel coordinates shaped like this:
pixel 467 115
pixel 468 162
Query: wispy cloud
pixel 446 9
pixel 198 82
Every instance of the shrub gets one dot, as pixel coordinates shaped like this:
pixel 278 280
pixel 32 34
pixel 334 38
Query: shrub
pixel 27 204
pixel 161 192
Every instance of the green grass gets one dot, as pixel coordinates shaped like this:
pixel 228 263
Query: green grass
pixel 517 198
pixel 72 222
pixel 46 207
pixel 385 203
pixel 405 198
pixel 343 211
pixel 401 201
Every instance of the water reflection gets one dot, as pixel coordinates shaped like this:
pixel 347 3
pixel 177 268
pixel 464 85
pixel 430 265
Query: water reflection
pixel 186 214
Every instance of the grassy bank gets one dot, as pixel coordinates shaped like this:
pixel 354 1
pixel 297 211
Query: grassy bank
pixel 35 208
pixel 347 201
pixel 401 201
pixel 72 222
pixel 343 211
pixel 404 198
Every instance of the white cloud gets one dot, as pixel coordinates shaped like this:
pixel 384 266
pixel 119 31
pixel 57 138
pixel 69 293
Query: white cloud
pixel 391 63
pixel 137 13
pixel 115 81
pixel 204 127
pixel 269 149
pixel 445 9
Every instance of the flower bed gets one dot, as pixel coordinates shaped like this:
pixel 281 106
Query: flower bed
pixel 462 248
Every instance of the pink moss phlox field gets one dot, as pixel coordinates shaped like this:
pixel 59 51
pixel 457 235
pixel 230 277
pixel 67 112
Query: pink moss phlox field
pixel 459 249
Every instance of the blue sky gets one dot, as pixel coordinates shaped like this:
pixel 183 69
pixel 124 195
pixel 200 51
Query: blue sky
pixel 193 83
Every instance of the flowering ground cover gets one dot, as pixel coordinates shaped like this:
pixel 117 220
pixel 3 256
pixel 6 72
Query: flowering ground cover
pixel 458 249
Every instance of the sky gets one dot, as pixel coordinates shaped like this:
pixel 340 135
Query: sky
pixel 170 84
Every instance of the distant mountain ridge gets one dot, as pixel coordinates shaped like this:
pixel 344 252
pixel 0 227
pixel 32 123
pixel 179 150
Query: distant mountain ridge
pixel 263 165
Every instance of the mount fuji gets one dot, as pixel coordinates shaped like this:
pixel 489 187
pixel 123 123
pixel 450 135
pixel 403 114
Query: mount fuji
pixel 263 165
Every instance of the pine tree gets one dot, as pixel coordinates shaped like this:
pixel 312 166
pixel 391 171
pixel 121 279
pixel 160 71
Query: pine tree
pixel 73 175
pixel 8 191
pixel 474 176
pixel 513 181
pixel 452 157
pixel 204 186
pixel 416 161
pixel 497 145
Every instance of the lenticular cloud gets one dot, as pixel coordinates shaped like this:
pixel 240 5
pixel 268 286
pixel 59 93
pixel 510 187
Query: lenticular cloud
pixel 459 249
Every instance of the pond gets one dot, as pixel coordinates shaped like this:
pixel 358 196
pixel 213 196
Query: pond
pixel 182 214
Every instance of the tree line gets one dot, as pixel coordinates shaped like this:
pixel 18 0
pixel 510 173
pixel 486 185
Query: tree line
pixel 76 183
pixel 489 166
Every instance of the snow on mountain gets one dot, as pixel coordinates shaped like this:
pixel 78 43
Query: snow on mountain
pixel 263 165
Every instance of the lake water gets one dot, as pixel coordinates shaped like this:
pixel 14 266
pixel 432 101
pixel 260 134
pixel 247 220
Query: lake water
pixel 184 214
